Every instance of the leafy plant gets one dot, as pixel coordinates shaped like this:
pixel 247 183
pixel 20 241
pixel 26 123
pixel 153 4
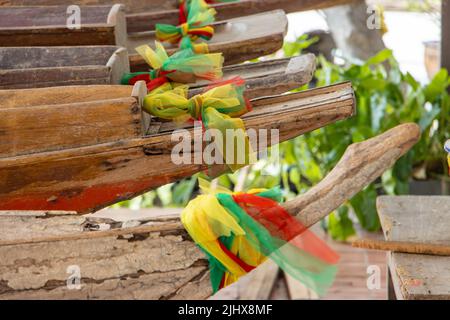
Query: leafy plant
pixel 385 98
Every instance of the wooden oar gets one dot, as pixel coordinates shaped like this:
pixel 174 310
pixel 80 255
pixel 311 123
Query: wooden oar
pixel 157 258
pixel 404 247
pixel 239 39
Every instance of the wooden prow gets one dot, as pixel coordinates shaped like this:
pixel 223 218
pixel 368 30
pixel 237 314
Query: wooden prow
pixel 86 164
pixel 361 164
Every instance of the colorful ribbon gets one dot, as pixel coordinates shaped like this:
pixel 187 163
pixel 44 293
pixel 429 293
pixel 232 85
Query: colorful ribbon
pixel 239 231
pixel 219 107
pixel 183 66
pixel 195 19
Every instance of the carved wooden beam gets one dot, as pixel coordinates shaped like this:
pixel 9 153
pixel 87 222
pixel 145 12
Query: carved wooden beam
pixel 47 26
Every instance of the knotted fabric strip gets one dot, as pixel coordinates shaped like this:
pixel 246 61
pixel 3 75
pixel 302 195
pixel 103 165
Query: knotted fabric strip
pixel 184 64
pixel 195 19
pixel 239 231
pixel 219 108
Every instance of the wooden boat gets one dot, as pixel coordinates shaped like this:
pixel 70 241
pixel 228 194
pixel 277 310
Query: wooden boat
pixel 108 151
pixel 48 26
pixel 148 254
pixel 34 67
pixel 239 39
pixel 143 15
pixel 270 77
pixel 64 66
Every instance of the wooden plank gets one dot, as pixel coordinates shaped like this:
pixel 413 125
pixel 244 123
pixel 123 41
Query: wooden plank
pixel 239 39
pixel 297 290
pixel 67 126
pixel 89 178
pixel 143 15
pixel 417 219
pixel 157 259
pixel 155 265
pixel 47 26
pixel 61 95
pixel 262 78
pixel 22 67
pixel 269 77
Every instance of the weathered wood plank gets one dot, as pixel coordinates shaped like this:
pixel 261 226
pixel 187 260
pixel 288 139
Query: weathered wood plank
pixel 89 178
pixel 239 39
pixel 32 67
pixel 61 95
pixel 47 26
pixel 68 126
pixel 269 77
pixel 52 67
pixel 417 219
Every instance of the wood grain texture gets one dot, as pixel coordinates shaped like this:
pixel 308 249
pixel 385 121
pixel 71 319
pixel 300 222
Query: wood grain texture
pixel 404 247
pixel 152 264
pixel 68 66
pixel 92 177
pixel 61 95
pixel 38 67
pixel 47 26
pixel 422 219
pixel 144 15
pixel 57 127
pixel 151 258
pixel 239 39
pixel 271 77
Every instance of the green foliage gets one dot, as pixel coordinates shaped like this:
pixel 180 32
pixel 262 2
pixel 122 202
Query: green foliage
pixel 385 98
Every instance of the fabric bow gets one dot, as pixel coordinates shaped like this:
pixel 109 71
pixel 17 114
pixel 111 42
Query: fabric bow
pixel 218 108
pixel 239 231
pixel 183 66
pixel 195 19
